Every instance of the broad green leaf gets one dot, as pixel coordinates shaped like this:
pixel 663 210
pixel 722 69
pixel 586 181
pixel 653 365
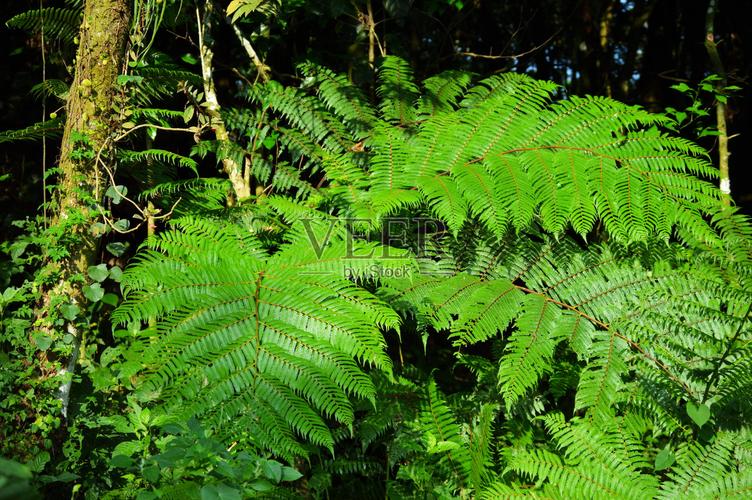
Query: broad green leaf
pixel 42 341
pixel 99 272
pixel 94 292
pixel 664 459
pixel 69 311
pixel 699 413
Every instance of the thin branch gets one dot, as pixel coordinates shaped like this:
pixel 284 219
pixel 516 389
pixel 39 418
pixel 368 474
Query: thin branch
pixel 234 172
pixel 44 117
pixel 717 66
pixel 515 56
pixel 262 69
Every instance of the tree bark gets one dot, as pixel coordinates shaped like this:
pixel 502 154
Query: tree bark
pixel 90 121
pixel 720 107
pixel 241 187
pixel 89 116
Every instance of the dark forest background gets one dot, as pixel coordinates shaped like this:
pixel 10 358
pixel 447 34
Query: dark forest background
pixel 633 51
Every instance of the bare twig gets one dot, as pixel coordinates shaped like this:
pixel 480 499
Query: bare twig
pixel 515 56
pixel 262 69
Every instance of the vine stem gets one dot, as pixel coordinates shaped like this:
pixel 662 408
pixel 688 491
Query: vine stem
pixel 717 371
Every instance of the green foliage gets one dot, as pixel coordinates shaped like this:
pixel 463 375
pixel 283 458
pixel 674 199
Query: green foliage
pixel 269 341
pixel 572 323
pixel 57 22
pixel 50 129
pixel 644 321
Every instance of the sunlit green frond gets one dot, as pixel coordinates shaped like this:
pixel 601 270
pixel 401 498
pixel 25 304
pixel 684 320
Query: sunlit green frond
pixel 236 328
pixel 397 90
pixel 49 129
pixel 442 91
pixel 343 98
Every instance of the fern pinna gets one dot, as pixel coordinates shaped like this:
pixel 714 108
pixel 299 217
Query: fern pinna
pixel 575 239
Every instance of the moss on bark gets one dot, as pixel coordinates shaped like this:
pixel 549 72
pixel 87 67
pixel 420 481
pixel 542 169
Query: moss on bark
pixel 91 119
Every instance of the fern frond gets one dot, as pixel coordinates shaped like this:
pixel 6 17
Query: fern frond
pixel 157 155
pixel 589 468
pixel 442 433
pixel 49 88
pixel 306 113
pixel 49 129
pixel 442 91
pixel 397 90
pixel 530 348
pixel 237 328
pixel 58 22
pixel 703 469
pixel 343 98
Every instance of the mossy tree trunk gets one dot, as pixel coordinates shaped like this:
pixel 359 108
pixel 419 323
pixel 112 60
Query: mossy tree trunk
pixel 90 118
pixel 85 150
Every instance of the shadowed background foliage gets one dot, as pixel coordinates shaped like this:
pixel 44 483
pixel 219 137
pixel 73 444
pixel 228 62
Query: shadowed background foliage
pixel 631 50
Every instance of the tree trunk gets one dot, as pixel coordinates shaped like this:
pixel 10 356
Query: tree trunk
pixel 90 121
pixel 720 106
pixel 89 115
pixel 240 182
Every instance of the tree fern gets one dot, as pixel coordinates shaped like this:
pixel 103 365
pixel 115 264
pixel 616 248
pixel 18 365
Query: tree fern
pixel 605 462
pixel 269 341
pixel 398 91
pixel 575 240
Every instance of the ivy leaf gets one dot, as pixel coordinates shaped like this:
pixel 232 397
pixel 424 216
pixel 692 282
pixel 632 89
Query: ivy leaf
pixel 699 414
pixel 188 59
pixel 219 491
pixel 110 299
pixel 273 470
pixel 120 462
pixel 188 114
pixel 94 292
pixel 664 459
pixel 122 224
pixel 289 474
pixel 98 273
pixel 151 473
pixel 117 248
pixel 116 274
pixel 69 311
pixel 681 87
pixel 42 341
pixel 261 485
pixel 116 193
pixel 17 249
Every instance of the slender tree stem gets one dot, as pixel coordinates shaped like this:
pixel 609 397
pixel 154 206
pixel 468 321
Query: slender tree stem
pixel 717 66
pixel 262 69
pixel 234 171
